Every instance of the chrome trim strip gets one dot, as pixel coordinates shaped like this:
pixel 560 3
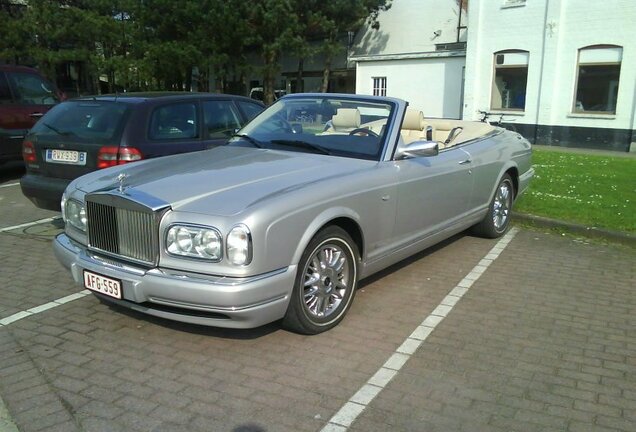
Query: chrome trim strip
pixel 216 279
pixel 195 306
pixel 141 199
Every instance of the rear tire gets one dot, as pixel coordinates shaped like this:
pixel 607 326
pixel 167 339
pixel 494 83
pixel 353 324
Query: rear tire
pixel 325 283
pixel 497 220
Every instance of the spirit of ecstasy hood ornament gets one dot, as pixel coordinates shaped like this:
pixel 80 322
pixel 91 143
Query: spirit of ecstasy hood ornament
pixel 120 178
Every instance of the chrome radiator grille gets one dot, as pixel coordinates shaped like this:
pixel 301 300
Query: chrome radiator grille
pixel 124 232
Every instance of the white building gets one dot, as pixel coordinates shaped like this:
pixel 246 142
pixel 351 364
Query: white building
pixel 417 54
pixel 562 71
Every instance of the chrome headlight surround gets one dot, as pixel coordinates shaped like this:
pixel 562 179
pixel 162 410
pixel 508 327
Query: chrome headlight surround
pixel 194 241
pixel 63 206
pixel 74 213
pixel 239 245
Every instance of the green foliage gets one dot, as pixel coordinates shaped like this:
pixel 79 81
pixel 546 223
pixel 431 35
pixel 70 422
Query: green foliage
pixel 155 44
pixel 592 190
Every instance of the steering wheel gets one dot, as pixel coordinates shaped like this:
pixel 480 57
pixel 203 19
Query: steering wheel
pixel 283 124
pixel 364 131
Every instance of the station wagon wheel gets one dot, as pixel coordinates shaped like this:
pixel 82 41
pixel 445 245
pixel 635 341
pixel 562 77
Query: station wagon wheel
pixel 496 221
pixel 325 283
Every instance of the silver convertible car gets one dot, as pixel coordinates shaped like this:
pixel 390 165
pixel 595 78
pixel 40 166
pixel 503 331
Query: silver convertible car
pixel 316 193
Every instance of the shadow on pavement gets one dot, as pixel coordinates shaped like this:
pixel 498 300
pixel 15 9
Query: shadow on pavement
pixel 11 171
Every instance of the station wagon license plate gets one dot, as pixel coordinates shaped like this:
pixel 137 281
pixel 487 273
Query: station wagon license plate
pixel 66 156
pixel 102 285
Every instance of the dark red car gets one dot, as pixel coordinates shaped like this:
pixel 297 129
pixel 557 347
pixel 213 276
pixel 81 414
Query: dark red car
pixel 25 96
pixel 94 132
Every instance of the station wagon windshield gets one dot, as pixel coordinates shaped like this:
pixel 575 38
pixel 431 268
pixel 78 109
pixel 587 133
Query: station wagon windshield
pixel 338 126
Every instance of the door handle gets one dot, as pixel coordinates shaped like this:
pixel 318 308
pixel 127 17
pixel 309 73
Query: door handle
pixel 36 115
pixel 464 162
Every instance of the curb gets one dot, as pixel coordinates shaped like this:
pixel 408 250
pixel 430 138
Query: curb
pixel 544 222
pixel 6 423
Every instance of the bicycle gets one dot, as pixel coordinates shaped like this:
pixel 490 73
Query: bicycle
pixel 498 123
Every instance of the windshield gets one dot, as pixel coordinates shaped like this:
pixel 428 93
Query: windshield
pixel 98 121
pixel 340 126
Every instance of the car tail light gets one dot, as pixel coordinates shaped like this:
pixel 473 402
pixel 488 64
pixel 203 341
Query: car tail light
pixel 109 156
pixel 28 152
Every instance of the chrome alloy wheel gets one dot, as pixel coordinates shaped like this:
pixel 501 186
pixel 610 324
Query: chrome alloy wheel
pixel 502 205
pixel 327 277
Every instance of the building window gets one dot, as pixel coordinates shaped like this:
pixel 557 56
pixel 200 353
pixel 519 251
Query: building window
pixel 510 79
pixel 379 86
pixel 513 3
pixel 598 73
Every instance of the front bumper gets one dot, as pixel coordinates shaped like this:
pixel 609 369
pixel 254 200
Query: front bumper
pixel 197 299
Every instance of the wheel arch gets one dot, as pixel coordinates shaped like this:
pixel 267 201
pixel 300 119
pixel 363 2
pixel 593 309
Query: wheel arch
pixel 344 218
pixel 513 172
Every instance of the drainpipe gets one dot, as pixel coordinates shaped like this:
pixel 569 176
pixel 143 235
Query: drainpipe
pixel 459 19
pixel 545 22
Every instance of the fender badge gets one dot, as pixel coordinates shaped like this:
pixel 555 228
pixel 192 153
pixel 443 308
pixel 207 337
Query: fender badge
pixel 120 178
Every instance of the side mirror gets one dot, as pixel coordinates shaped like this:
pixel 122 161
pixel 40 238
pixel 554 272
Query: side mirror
pixel 418 149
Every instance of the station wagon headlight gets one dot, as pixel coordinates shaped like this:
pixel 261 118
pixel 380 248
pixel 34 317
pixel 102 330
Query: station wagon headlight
pixel 194 242
pixel 75 214
pixel 239 245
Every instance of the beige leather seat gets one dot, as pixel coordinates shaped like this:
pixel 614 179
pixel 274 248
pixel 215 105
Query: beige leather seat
pixel 445 132
pixel 414 127
pixel 345 120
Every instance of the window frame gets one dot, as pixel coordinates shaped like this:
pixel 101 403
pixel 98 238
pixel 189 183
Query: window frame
pixel 198 117
pixel 573 110
pixel 236 112
pixel 13 79
pixel 381 88
pixel 494 76
pixel 246 118
pixel 512 3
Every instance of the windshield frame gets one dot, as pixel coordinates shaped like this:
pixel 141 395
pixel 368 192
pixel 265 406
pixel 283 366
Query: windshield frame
pixel 387 138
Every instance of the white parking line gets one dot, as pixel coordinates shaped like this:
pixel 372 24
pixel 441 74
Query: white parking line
pixel 38 309
pixel 28 224
pixel 350 411
pixel 9 184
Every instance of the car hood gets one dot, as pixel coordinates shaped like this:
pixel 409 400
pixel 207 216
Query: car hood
pixel 223 181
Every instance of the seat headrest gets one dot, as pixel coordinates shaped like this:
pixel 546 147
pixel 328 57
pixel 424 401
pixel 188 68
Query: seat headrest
pixel 346 118
pixel 413 120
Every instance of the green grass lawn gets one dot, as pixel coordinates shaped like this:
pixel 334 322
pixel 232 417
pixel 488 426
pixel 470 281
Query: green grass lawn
pixel 592 190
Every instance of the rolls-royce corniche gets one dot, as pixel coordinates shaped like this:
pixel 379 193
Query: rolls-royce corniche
pixel 316 193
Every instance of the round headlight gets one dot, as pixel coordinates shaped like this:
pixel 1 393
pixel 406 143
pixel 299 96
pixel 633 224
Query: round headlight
pixel 208 243
pixel 184 240
pixel 82 217
pixel 239 245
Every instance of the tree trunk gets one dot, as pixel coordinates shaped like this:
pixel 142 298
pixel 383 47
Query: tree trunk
pixel 300 85
pixel 269 78
pixel 325 75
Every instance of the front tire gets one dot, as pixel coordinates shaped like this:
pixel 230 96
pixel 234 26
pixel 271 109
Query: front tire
pixel 325 283
pixel 497 220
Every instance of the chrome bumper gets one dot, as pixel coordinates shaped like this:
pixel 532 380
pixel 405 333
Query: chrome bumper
pixel 193 298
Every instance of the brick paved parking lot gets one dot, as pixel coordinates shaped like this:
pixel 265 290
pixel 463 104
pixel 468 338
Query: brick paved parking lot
pixel 543 340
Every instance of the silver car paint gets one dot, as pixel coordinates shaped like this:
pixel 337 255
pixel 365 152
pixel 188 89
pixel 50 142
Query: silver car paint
pixel 285 198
